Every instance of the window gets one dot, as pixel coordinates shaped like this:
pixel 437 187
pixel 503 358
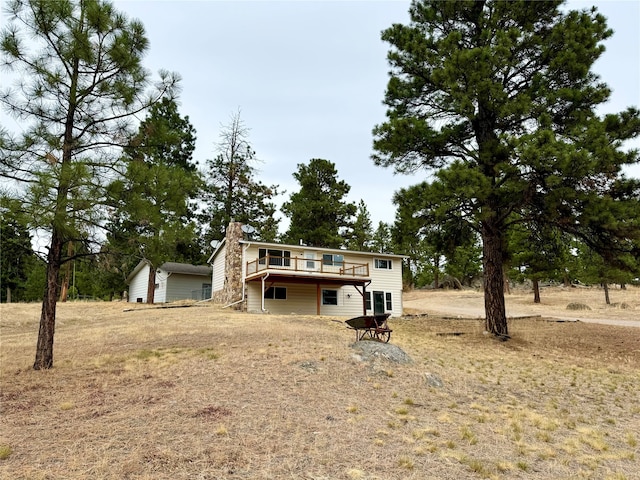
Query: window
pixel 329 297
pixel 383 263
pixel 332 259
pixel 311 260
pixel 276 257
pixel 276 293
pixel 367 300
pixel 388 298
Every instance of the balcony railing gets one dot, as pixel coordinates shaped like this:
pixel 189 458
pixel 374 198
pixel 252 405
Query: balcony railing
pixel 307 265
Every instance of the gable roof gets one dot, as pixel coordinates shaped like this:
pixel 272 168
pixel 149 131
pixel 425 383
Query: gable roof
pixel 172 267
pixel 135 271
pixel 186 268
pixel 220 246
pixel 321 249
pixel 217 249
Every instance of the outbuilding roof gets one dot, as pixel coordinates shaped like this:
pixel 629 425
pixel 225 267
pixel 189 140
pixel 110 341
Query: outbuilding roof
pixel 186 268
pixel 173 267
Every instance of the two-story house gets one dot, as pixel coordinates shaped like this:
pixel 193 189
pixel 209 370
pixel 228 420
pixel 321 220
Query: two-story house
pixel 284 279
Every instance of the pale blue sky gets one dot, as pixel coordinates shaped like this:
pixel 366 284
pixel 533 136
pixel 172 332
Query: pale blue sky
pixel 309 78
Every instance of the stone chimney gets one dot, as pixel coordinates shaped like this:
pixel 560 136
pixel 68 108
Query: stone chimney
pixel 232 288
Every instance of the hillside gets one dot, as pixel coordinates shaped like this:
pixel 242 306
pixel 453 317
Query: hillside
pixel 205 393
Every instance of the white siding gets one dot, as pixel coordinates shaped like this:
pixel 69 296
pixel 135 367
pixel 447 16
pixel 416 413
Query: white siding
pixel 384 280
pixel 180 286
pixel 218 270
pixel 138 285
pixel 302 298
pixel 160 296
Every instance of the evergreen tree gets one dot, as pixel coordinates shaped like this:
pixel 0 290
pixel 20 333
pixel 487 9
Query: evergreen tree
pixel 362 233
pixel 232 192
pixel 152 218
pixel 422 266
pixel 498 98
pixel 539 251
pixel 16 253
pixel 318 212
pixel 595 269
pixel 382 239
pixel 80 83
pixel 436 235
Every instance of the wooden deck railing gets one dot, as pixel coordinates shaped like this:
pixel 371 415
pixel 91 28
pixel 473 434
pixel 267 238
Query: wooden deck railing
pixel 295 264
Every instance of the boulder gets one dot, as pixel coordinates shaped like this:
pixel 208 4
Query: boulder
pixel 368 350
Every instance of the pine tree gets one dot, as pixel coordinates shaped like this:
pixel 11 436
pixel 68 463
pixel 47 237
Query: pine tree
pixel 361 235
pixel 319 214
pixel 499 99
pixel 435 234
pixel 16 253
pixel 382 239
pixel 79 84
pixel 152 218
pixel 232 192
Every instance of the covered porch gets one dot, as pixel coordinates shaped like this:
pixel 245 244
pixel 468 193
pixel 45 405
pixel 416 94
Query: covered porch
pixel 268 278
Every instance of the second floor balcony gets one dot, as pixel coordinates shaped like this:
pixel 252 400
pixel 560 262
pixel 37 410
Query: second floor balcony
pixel 307 266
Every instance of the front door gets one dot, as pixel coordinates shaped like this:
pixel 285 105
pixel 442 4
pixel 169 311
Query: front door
pixel 378 303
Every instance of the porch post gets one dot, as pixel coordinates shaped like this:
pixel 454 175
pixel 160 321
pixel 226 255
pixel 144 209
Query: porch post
pixel 364 299
pixel 318 297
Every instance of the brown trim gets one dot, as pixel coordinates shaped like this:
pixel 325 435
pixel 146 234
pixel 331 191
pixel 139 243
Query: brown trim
pixel 309 279
pixel 363 294
pixel 300 265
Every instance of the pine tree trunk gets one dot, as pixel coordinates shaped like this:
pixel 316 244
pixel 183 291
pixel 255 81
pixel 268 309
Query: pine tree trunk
pixel 44 349
pixel 436 272
pixel 606 293
pixel 496 318
pixel 64 289
pixel 151 285
pixel 536 291
pixel 8 295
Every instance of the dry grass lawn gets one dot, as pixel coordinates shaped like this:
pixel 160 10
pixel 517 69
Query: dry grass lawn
pixel 206 393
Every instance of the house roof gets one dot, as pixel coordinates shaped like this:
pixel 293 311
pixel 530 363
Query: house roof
pixel 135 271
pixel 222 243
pixel 173 267
pixel 186 268
pixel 323 249
pixel 217 249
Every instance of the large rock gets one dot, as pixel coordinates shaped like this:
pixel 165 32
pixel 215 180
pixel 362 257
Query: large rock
pixel 368 350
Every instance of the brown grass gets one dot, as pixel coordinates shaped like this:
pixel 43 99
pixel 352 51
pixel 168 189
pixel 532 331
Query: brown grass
pixel 204 393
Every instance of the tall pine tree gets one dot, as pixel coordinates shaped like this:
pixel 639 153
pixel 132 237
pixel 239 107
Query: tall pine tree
pixel 361 239
pixel 320 216
pixel 231 190
pixel 152 217
pixel 499 99
pixel 79 84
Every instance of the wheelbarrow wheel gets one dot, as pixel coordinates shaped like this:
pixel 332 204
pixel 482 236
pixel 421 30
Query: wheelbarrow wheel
pixel 383 336
pixel 370 334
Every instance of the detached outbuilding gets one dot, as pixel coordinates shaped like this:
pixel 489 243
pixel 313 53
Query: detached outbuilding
pixel 278 278
pixel 173 281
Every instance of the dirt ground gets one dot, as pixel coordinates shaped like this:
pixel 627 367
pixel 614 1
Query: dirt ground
pixel 210 393
pixel 624 309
